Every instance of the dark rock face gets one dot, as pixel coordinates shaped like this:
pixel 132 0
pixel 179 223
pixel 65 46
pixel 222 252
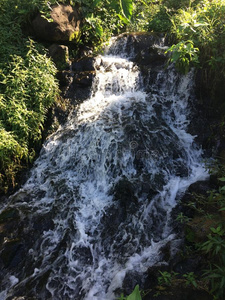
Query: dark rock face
pixel 179 291
pixel 125 194
pixel 142 49
pixel 60 55
pixel 65 25
pixel 19 233
pixel 84 64
pixel 77 83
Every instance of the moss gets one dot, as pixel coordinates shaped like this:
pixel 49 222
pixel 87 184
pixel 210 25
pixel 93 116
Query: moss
pixel 198 228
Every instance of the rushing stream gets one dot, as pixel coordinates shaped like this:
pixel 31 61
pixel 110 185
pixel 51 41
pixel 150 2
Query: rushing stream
pixel 107 182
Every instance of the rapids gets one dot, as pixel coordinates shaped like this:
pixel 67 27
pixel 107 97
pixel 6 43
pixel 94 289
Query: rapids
pixel 108 180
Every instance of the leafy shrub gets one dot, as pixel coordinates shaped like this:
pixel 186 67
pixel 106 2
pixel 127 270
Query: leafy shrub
pixel 27 89
pixel 215 248
pixel 102 19
pixel 203 24
pixel 212 248
pixel 183 55
pixel 161 21
pixel 166 278
pixel 11 154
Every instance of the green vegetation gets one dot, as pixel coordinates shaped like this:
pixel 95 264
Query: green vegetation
pixel 135 295
pixel 183 55
pixel 205 235
pixel 102 19
pixel 167 278
pixel 214 245
pixel 27 89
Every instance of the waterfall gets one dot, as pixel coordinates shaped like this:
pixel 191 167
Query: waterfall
pixel 108 180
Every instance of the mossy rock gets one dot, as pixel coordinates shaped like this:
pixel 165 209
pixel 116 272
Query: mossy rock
pixel 8 214
pixel 179 290
pixel 60 56
pixel 199 227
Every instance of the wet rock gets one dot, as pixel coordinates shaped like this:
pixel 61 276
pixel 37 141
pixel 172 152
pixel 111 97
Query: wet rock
pixel 143 50
pixel 199 227
pixel 178 291
pixel 64 26
pixel 76 84
pixel 125 195
pixel 42 223
pixel 21 298
pixel 65 78
pixel 84 64
pixel 9 214
pixel 197 188
pixel 189 264
pixel 84 79
pixel 130 281
pixel 11 243
pixel 12 253
pixel 80 87
pixel 19 234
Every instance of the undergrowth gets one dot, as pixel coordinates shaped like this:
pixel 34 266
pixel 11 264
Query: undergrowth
pixel 205 233
pixel 27 89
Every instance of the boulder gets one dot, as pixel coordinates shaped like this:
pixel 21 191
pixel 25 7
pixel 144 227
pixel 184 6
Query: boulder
pixel 60 55
pixel 84 64
pixel 142 48
pixel 63 27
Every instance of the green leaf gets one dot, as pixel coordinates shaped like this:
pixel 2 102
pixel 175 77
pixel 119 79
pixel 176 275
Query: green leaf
pixel 115 5
pixel 135 295
pixel 99 30
pixel 96 3
pixel 222 284
pixel 175 56
pixel 122 18
pixel 127 8
pixel 222 179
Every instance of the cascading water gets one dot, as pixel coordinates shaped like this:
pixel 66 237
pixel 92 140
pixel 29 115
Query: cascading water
pixel 109 180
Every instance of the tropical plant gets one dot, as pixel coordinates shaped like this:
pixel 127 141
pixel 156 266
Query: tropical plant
pixel 135 295
pixel 182 218
pixel 166 278
pixel 190 279
pixel 184 55
pixel 103 18
pixel 201 26
pixel 214 247
pixel 216 275
pixel 28 88
pixel 215 244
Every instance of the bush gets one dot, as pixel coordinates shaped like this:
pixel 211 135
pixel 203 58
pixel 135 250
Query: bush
pixel 204 26
pixel 28 88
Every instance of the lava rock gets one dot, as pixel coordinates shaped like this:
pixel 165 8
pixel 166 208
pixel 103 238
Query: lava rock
pixel 124 193
pixel 142 48
pixel 60 55
pixel 84 64
pixel 84 79
pixel 64 26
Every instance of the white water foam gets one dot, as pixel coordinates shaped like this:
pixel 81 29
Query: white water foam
pixel 121 134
